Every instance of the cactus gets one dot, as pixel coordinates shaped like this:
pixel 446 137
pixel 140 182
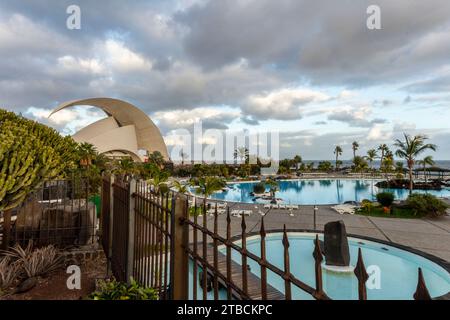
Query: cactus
pixel 30 153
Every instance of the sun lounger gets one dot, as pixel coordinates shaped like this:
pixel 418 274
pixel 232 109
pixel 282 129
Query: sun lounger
pixel 274 206
pixel 282 206
pixel 267 206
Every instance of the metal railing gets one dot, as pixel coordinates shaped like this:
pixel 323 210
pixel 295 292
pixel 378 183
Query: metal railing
pixel 170 244
pixel 60 213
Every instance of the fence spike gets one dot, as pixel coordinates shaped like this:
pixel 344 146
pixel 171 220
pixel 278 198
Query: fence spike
pixel 287 268
pixel 361 274
pixel 317 254
pixel 243 225
pixel 262 231
pixel 318 258
pixel 421 290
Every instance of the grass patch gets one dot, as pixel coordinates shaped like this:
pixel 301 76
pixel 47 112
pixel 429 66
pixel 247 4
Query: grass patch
pixel 378 211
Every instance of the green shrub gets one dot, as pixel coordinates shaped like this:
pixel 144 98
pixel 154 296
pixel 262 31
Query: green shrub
pixel 260 187
pixel 114 290
pixel 30 153
pixel 385 198
pixel 426 204
pixel 367 205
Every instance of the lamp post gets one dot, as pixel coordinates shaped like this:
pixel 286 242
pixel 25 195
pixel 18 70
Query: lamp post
pixel 315 211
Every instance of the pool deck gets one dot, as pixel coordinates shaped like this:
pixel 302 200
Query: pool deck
pixel 430 235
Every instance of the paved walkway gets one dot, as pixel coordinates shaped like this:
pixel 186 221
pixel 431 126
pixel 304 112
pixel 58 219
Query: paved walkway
pixel 429 235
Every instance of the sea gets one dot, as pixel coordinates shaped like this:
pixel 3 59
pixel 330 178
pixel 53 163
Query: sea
pixel 444 164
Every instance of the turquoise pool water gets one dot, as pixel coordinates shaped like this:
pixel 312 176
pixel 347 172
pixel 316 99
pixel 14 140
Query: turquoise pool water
pixel 397 269
pixel 330 191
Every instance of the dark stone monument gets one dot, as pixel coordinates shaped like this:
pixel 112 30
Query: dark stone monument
pixel 336 248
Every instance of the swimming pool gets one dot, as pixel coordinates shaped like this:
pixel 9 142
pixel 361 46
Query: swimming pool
pixel 321 191
pixel 394 271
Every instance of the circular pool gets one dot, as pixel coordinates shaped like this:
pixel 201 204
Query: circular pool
pixel 393 271
pixel 319 191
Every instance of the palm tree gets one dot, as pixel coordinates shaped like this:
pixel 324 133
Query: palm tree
pixel 241 153
pixel 273 185
pixel 355 146
pixel 208 185
pixel 427 161
pixel 158 178
pixel 384 149
pixel 337 152
pixel 371 156
pixel 180 187
pixel 87 152
pixel 409 149
pixel 360 164
pixel 297 160
pixel 183 157
pixel 157 158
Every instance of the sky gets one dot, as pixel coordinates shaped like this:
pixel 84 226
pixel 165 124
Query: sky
pixel 311 70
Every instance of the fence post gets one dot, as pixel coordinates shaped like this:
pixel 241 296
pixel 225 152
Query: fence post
pixel 180 240
pixel 111 223
pixel 6 229
pixel 131 216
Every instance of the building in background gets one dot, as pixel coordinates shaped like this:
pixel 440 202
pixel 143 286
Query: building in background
pixel 126 131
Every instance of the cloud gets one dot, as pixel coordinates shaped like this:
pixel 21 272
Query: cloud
pixel 215 38
pixel 210 118
pixel 354 116
pixel 282 104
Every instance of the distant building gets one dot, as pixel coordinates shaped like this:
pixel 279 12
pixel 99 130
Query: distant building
pixel 126 131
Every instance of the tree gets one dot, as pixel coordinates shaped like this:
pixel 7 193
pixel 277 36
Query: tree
pixel 371 156
pixel 241 153
pixel 87 153
pixel 427 161
pixel 180 187
pixel 360 164
pixel 158 178
pixel 325 166
pixel 297 159
pixel 355 147
pixel 338 153
pixel 157 158
pixel 273 187
pixel 30 153
pixel 409 149
pixel 384 149
pixel 183 157
pixel 208 185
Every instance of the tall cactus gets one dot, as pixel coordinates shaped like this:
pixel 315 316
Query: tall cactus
pixel 30 153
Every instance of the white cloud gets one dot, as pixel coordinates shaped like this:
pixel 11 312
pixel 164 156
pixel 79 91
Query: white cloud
pixel 208 116
pixel 376 133
pixel 121 58
pixel 283 104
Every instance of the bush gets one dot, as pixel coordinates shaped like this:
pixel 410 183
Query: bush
pixel 259 188
pixel 30 153
pixel 367 205
pixel 385 198
pixel 36 262
pixel 114 290
pixel 426 204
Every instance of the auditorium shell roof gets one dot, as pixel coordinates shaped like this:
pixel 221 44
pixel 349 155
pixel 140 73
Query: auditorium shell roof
pixel 126 129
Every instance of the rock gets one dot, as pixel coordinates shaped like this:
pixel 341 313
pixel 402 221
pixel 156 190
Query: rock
pixel 336 247
pixel 26 285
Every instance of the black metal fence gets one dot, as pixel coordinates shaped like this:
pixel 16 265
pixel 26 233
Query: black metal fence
pixel 60 213
pixel 137 231
pixel 166 241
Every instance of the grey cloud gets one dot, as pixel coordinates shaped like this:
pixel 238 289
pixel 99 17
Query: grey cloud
pixel 327 42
